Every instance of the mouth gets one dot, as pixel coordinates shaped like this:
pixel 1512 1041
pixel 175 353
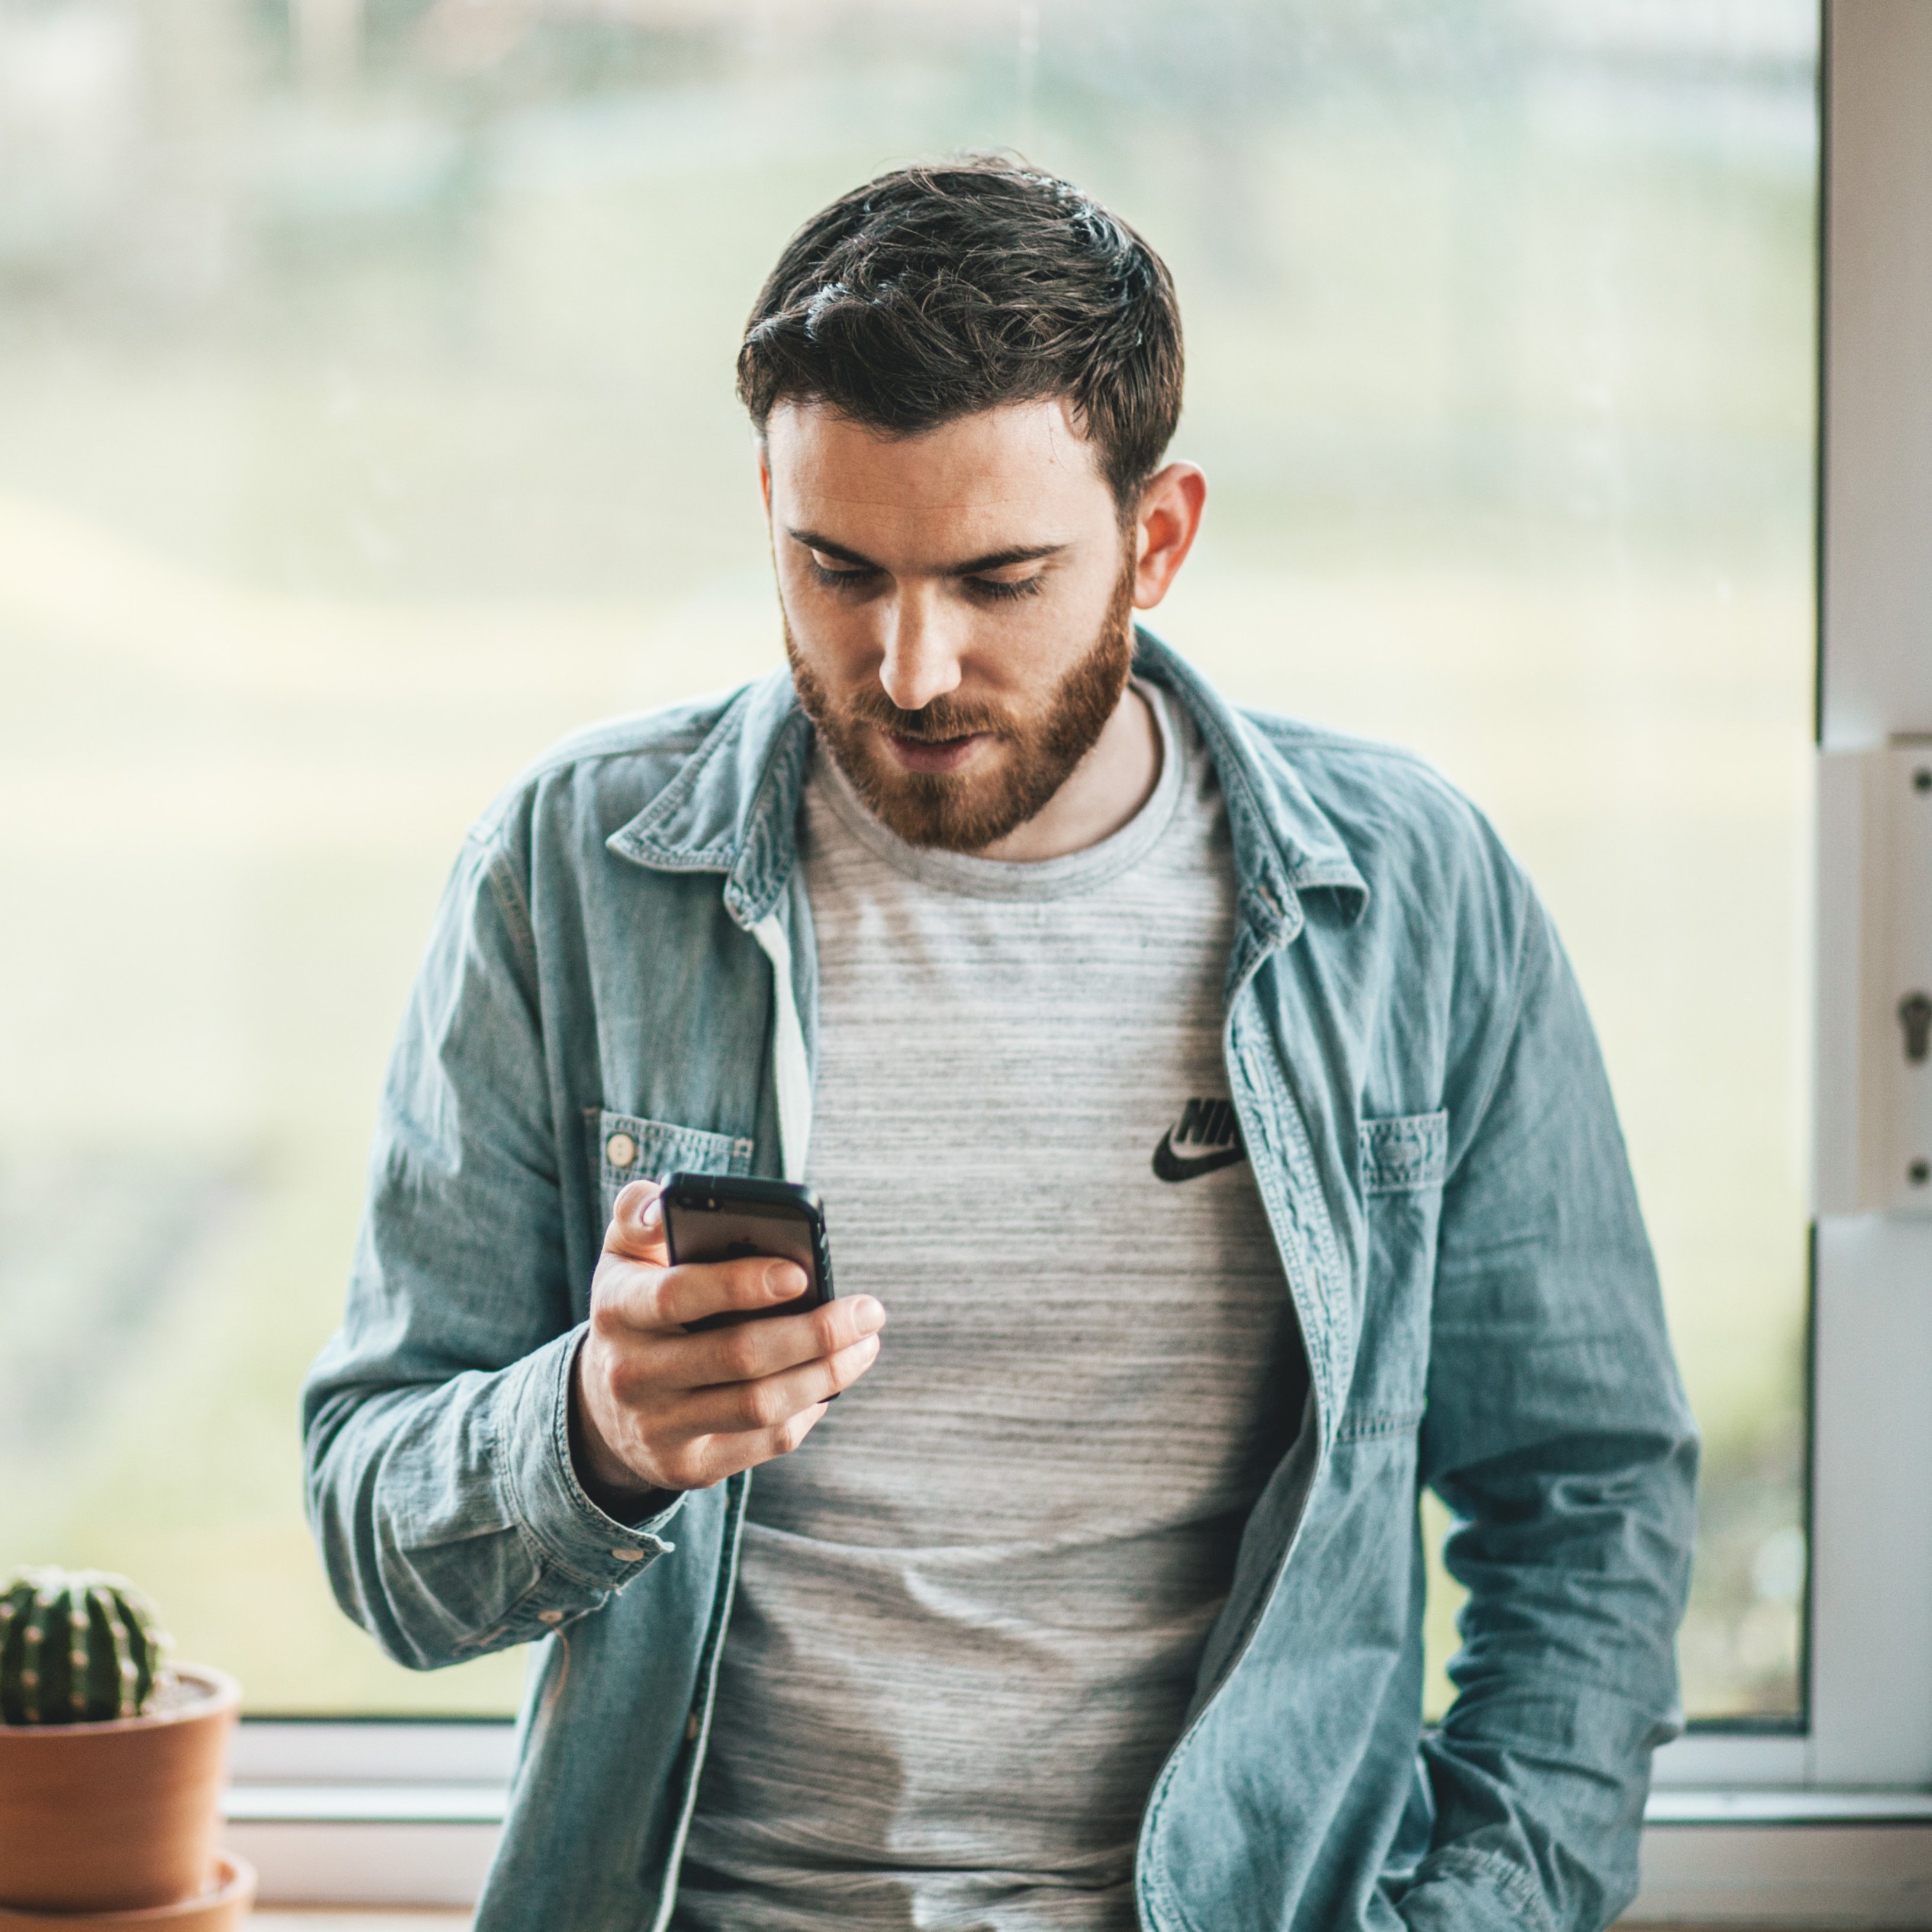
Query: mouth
pixel 934 755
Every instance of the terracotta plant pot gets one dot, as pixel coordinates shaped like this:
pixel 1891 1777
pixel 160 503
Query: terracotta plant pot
pixel 119 1816
pixel 221 1906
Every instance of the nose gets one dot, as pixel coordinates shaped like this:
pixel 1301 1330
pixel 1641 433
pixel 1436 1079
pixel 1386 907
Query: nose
pixel 923 651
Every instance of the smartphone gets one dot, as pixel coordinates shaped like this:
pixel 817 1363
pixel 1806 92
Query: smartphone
pixel 718 1217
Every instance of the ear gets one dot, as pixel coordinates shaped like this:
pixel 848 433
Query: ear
pixel 765 479
pixel 1166 526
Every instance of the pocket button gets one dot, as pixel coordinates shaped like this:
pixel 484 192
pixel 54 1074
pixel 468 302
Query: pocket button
pixel 620 1150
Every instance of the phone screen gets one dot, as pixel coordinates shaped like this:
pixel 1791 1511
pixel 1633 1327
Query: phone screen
pixel 728 1231
pixel 701 1226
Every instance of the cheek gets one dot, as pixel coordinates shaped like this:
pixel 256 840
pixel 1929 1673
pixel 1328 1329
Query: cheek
pixel 834 635
pixel 1029 642
pixel 1018 666
pixel 1036 640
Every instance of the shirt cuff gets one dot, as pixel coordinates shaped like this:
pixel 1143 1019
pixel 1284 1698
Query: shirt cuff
pixel 540 1483
pixel 1457 1889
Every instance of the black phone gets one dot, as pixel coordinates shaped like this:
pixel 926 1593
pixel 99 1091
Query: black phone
pixel 720 1217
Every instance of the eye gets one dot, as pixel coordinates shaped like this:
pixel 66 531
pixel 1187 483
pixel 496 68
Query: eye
pixel 995 591
pixel 840 577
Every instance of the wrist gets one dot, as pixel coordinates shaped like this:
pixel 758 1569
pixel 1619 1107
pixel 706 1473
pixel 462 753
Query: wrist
pixel 609 1481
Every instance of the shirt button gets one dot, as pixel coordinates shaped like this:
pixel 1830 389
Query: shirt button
pixel 620 1150
pixel 550 1616
pixel 629 1556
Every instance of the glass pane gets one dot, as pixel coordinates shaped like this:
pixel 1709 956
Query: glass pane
pixel 366 422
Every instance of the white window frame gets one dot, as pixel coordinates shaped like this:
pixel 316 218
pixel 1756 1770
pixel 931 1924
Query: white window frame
pixel 1831 1823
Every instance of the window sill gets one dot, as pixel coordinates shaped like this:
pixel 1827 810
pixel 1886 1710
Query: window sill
pixel 375 1804
pixel 1794 1858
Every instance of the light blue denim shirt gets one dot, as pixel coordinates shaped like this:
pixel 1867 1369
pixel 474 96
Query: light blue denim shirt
pixel 624 954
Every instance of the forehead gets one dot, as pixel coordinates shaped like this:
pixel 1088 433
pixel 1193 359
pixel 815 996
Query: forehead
pixel 1022 463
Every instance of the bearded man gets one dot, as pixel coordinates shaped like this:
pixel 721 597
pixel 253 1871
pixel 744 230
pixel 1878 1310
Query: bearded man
pixel 1204 1096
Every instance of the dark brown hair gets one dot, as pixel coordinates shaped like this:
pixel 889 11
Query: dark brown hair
pixel 938 291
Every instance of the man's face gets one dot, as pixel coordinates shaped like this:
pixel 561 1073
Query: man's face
pixel 956 607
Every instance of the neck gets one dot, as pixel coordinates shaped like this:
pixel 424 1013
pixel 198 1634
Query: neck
pixel 1104 790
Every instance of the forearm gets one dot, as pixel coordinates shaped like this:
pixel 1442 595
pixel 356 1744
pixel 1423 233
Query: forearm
pixel 1558 1434
pixel 451 1521
pixel 1566 1681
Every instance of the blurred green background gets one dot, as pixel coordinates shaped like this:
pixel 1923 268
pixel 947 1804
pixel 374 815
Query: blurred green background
pixel 366 422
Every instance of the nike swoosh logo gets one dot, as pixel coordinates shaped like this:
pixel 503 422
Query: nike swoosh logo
pixel 1168 1165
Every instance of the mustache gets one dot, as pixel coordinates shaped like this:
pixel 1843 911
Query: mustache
pixel 944 718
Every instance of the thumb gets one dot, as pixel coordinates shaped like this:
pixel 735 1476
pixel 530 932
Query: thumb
pixel 637 1224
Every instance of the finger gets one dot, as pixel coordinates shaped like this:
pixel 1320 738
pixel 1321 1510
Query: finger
pixel 701 1454
pixel 756 1407
pixel 636 1231
pixel 750 1350
pixel 635 1300
pixel 710 1459
pixel 700 1289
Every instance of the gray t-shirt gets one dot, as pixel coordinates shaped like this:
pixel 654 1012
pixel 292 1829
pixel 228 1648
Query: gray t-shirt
pixel 970 1609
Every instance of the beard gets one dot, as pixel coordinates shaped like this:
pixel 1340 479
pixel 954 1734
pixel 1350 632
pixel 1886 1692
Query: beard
pixel 966 811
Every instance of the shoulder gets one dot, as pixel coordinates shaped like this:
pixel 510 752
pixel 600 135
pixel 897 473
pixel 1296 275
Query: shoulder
pixel 1378 797
pixel 602 776
pixel 1435 867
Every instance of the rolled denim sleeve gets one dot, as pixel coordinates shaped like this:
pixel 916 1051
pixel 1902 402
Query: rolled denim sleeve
pixel 1557 1432
pixel 437 1421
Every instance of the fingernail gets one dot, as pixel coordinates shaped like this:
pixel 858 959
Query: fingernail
pixel 870 1313
pixel 780 1281
pixel 653 1211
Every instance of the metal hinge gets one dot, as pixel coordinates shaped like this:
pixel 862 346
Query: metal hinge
pixel 1874 1036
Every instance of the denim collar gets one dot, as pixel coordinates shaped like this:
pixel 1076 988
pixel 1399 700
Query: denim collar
pixel 733 805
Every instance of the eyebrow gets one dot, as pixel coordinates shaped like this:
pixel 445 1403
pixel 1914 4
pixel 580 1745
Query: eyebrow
pixel 973 566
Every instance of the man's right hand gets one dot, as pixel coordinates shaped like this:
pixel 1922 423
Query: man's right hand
pixel 654 1407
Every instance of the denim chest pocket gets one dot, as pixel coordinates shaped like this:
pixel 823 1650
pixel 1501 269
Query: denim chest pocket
pixel 1404 1160
pixel 1406 1154
pixel 626 1147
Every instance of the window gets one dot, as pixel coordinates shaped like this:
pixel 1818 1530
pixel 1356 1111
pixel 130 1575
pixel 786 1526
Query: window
pixel 366 422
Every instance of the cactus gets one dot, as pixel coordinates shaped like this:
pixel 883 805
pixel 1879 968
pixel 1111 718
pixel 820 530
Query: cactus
pixel 76 1647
